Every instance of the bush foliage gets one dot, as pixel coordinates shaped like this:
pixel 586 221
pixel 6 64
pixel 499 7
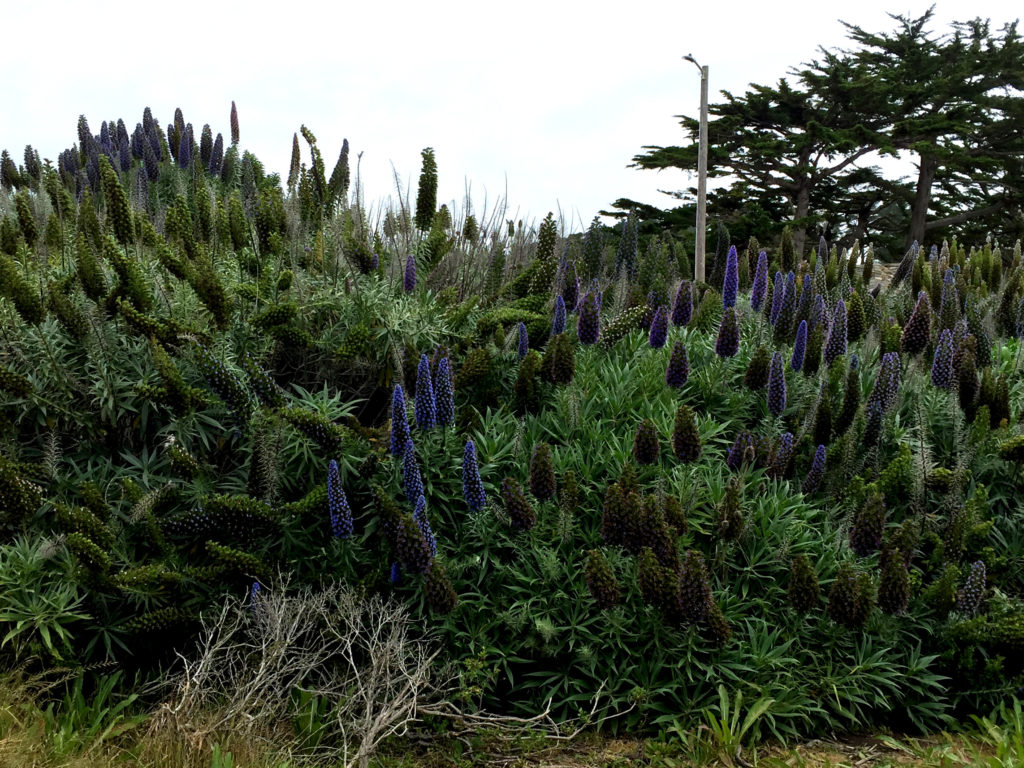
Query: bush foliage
pixel 199 369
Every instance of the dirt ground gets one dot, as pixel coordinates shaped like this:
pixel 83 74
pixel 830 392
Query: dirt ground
pixel 852 752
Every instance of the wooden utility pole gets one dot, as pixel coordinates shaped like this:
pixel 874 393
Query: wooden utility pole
pixel 700 238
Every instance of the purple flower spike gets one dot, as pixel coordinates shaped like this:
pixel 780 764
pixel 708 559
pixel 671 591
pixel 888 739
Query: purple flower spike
pixel 444 393
pixel 778 294
pixel 799 347
pixel 942 364
pixel 783 455
pixel 185 149
pixel 558 325
pixel 682 309
pixel 727 344
pixel 524 341
pixel 816 472
pixel 776 385
pixel 472 485
pixel 337 503
pixel 570 288
pixel 742 449
pixel 659 329
pixel 835 347
pixel 760 287
pixel 678 370
pixel 409 279
pixel 732 278
pixel 419 514
pixel 426 406
pixel 817 312
pixel 803 307
pixel 216 156
pixel 588 329
pixel 784 318
pixel 399 422
pixel 412 480
pixel 873 424
pixel 970 596
pixel 887 384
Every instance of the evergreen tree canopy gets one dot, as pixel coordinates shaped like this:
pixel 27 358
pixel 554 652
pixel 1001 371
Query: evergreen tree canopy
pixel 805 151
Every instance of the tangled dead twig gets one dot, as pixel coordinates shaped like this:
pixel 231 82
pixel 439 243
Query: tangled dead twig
pixel 356 660
pixel 356 654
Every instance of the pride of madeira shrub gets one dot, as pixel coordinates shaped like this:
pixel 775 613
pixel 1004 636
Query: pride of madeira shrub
pixel 210 379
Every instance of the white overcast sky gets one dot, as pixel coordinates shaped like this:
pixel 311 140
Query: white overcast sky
pixel 545 102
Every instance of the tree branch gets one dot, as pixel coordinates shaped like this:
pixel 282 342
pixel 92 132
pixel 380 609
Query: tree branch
pixel 960 218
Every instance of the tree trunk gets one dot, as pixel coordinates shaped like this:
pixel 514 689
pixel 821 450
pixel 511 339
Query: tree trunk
pixel 927 169
pixel 861 230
